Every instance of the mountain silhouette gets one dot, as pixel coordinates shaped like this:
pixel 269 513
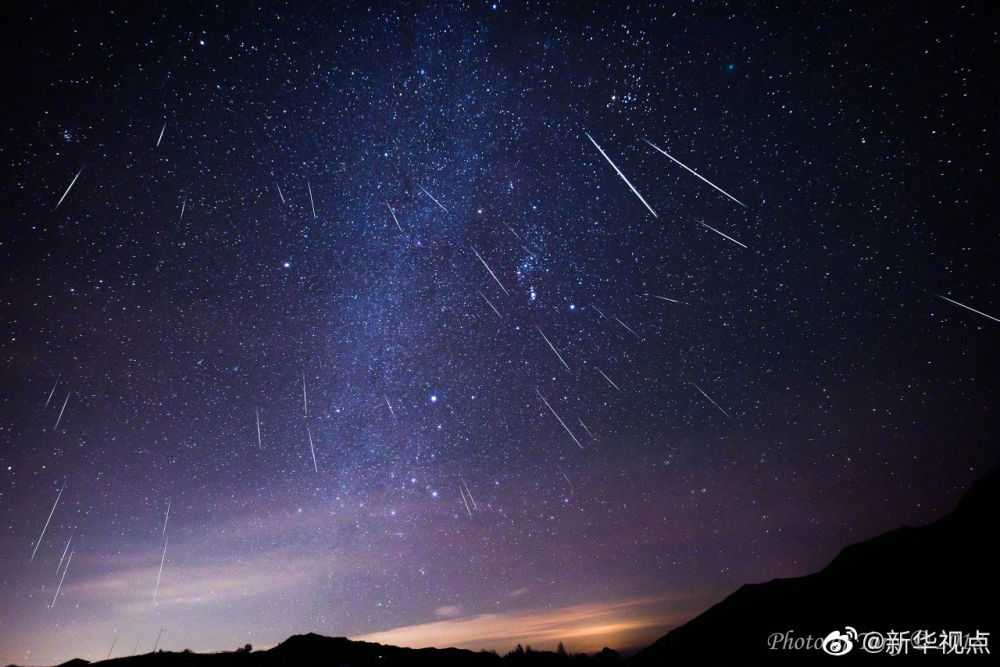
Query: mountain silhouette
pixel 316 650
pixel 941 576
pixel 938 577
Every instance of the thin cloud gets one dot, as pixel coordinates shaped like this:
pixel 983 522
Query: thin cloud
pixel 585 627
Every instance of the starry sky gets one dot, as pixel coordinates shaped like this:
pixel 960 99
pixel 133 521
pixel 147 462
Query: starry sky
pixel 338 319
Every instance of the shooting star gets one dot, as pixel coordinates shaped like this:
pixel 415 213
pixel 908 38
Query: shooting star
pixel 710 400
pixel 279 192
pixel 69 188
pixel 162 558
pixel 511 229
pixel 556 415
pixel 390 406
pixel 586 429
pixel 183 206
pixel 59 418
pixel 977 312
pixel 112 647
pixel 305 400
pixel 394 219
pixel 723 235
pixel 157 640
pixel 491 305
pixel 61 579
pixel 162 130
pixel 662 298
pixel 311 202
pixel 45 527
pixel 627 328
pixel 490 270
pixel 58 377
pixel 554 350
pixel 622 175
pixel 312 449
pixel 474 505
pixel 432 197
pixel 166 516
pixel 260 441
pixel 63 557
pixel 599 312
pixel 566 478
pixel 465 503
pixel 610 381
pixel 696 173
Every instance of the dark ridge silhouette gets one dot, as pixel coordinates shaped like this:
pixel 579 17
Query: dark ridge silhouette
pixel 316 650
pixel 942 576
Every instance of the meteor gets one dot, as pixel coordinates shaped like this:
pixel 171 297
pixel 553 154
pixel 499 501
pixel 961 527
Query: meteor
pixel 69 188
pixel 61 579
pixel 662 298
pixel 622 175
pixel 305 400
pixel 710 400
pixel 464 502
pixel 394 216
pixel 53 390
pixel 490 270
pixel 165 517
pixel 312 449
pixel 723 235
pixel 432 197
pixel 63 557
pixel 695 173
pixel 554 350
pixel 491 305
pixel 45 527
pixel 59 418
pixel 608 379
pixel 162 558
pixel 977 312
pixel 556 415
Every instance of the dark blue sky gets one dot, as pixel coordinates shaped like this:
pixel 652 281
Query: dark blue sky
pixel 175 295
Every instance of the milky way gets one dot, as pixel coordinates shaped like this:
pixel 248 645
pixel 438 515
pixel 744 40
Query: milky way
pixel 281 273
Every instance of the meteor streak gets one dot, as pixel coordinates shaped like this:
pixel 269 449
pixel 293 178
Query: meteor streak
pixel 432 197
pixel 556 415
pixel 724 235
pixel 162 558
pixel 45 527
pixel 622 175
pixel 61 579
pixel 69 188
pixel 977 312
pixel 554 350
pixel 394 216
pixel 710 400
pixel 695 173
pixel 490 270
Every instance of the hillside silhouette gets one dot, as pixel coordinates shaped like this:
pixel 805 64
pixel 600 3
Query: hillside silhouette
pixel 313 649
pixel 942 576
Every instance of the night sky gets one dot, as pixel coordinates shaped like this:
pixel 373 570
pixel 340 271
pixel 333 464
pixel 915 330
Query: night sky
pixel 534 410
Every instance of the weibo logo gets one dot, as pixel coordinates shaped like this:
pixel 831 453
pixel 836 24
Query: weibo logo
pixel 839 643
